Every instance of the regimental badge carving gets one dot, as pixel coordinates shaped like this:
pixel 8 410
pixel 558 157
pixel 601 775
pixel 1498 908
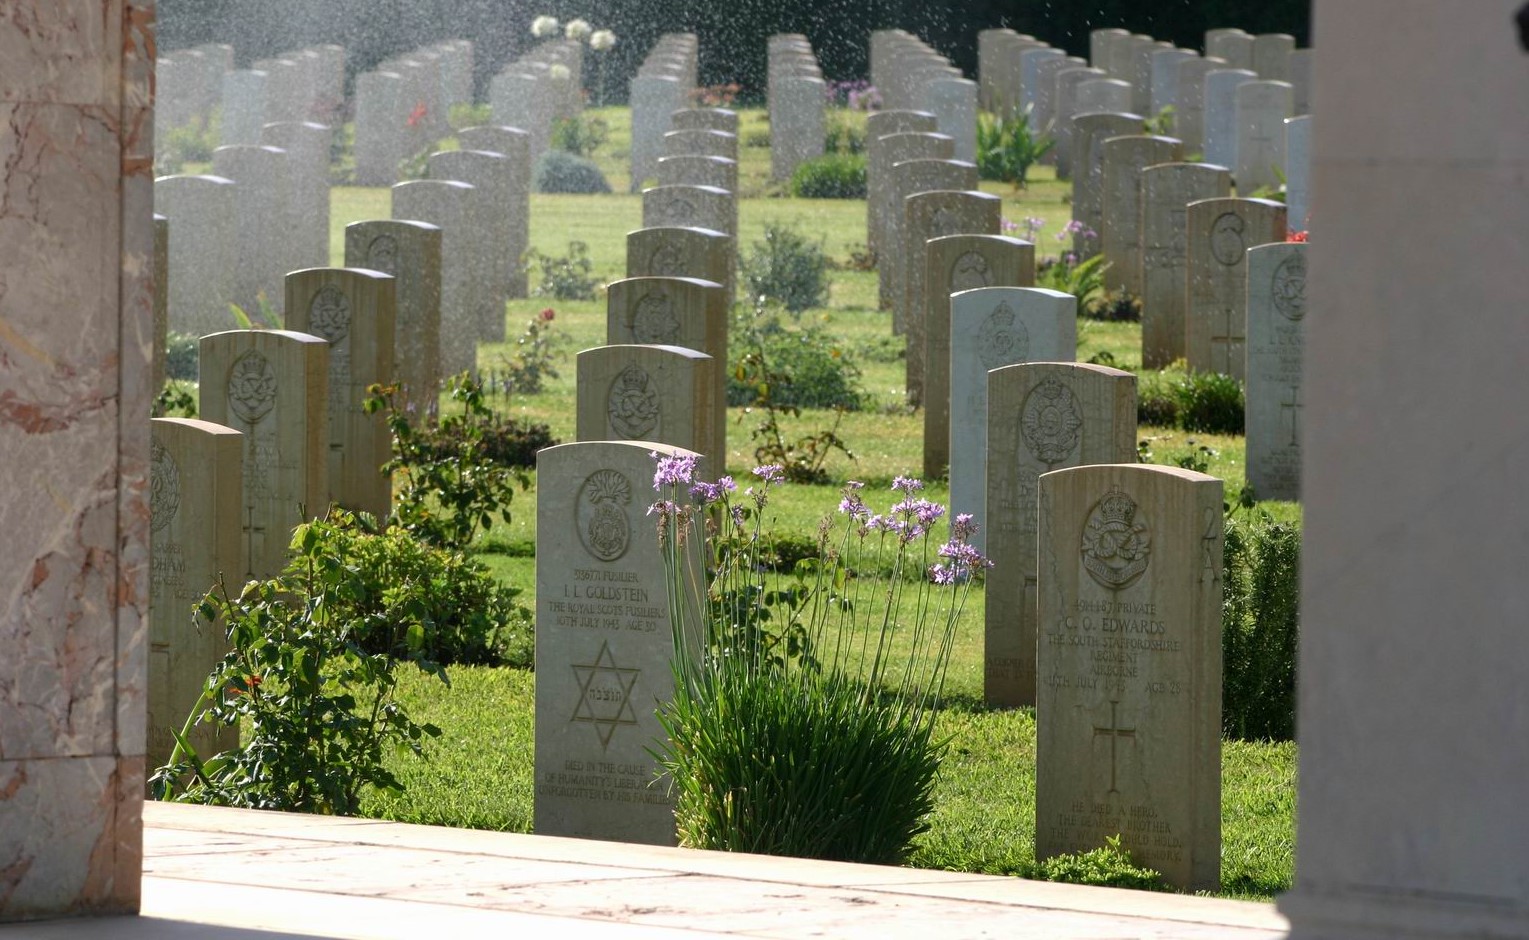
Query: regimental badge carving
pixel 1117 544
pixel 605 694
pixel 601 514
pixel 970 271
pixel 677 211
pixel 1289 287
pixel 945 222
pixel 329 313
pixel 633 405
pixel 1227 244
pixel 164 487
pixel 1003 339
pixel 654 321
pixel 382 254
pixel 667 261
pixel 1050 422
pixel 251 387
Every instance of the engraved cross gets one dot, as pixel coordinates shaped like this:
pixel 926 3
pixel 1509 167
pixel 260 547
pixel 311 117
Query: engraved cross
pixel 1224 341
pixel 1292 410
pixel 1115 733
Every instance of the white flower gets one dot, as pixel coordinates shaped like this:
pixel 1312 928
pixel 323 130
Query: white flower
pixel 559 71
pixel 577 30
pixel 601 40
pixel 543 26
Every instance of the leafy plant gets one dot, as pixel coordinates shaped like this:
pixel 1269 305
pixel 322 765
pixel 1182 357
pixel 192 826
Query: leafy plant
pixel 841 135
pixel 788 268
pixel 444 496
pixel 763 379
pixel 757 137
pixel 1210 402
pixel 181 352
pixel 1109 866
pixel 1006 149
pixel 537 352
pixel 559 172
pixel 463 115
pixel 188 143
pixel 567 277
pixel 1114 306
pixel 264 317
pixel 832 176
pixel 1082 279
pixel 1160 123
pixel 1260 627
pixel 829 753
pixel 580 136
pixel 806 369
pixel 317 708
pixel 176 399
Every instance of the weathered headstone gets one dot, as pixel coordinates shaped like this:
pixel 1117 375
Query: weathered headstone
pixel 665 394
pixel 1299 68
pixel 263 204
pixel 196 496
pixel 672 251
pixel 1233 45
pixel 705 119
pixel 306 239
pixel 1123 160
pixel 675 311
pixel 1103 94
pixel 653 99
pixel 688 206
pixel 1220 233
pixel 1189 114
pixel 272 385
pixel 929 215
pixel 700 142
pixel 493 178
pixel 697 169
pixel 1166 192
pixel 796 123
pixel 1165 79
pixel 1271 56
pixel 1221 114
pixel 957 263
pixel 381 133
pixel 1043 115
pixel 161 299
pixel 1141 75
pixel 1128 715
pixel 905 179
pixel 603 645
pixel 1261 110
pixel 884 152
pixel 411 252
pixel 1089 133
pixel 203 250
pixel 989 328
pixel 515 144
pixel 1298 172
pixel 355 310
pixel 1100 42
pixel 444 204
pixel 1067 82
pixel 244 97
pixel 953 102
pixel 1041 416
pixel 1276 348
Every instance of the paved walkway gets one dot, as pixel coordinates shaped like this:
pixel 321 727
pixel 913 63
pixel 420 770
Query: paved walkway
pixel 224 874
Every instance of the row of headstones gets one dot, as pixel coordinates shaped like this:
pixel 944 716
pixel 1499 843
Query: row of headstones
pixel 263 211
pixel 697 179
pixel 282 435
pixel 911 76
pixel 796 99
pixel 1125 641
pixel 403 105
pixel 301 85
pixel 538 89
pixel 665 83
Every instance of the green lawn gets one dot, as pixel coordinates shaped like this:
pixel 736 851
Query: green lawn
pixel 479 772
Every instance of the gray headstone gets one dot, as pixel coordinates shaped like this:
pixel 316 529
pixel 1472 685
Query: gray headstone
pixel 495 202
pixel 203 250
pixel 445 204
pixel 1275 376
pixel 1261 110
pixel 1298 172
pixel 1089 133
pixel 411 252
pixel 1220 233
pixel 665 394
pixel 1124 159
pixel 1221 114
pixel 1166 192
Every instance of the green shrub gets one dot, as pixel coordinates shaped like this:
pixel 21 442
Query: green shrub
pixel 316 710
pixel 176 400
pixel 841 135
pixel 1006 149
pixel 580 136
pixel 559 172
pixel 1109 866
pixel 1157 398
pixel 1114 306
pixel 1260 628
pixel 1210 402
pixel 181 350
pixel 567 277
pixel 780 740
pixel 464 115
pixel 189 143
pixel 446 483
pixel 788 268
pixel 464 615
pixel 833 176
pixel 1082 279
pixel 758 137
pixel 809 369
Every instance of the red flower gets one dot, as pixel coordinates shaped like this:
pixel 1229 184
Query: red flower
pixel 417 115
pixel 1296 236
pixel 548 314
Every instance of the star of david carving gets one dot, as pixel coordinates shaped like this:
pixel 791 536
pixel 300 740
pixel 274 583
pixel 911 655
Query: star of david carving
pixel 605 715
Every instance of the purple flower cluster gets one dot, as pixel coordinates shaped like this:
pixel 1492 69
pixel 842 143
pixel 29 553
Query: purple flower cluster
pixel 964 557
pixel 673 471
pixel 1076 227
pixel 713 492
pixel 770 473
pixel 851 504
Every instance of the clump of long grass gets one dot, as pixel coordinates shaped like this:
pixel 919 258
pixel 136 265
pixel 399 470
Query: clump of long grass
pixel 803 717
